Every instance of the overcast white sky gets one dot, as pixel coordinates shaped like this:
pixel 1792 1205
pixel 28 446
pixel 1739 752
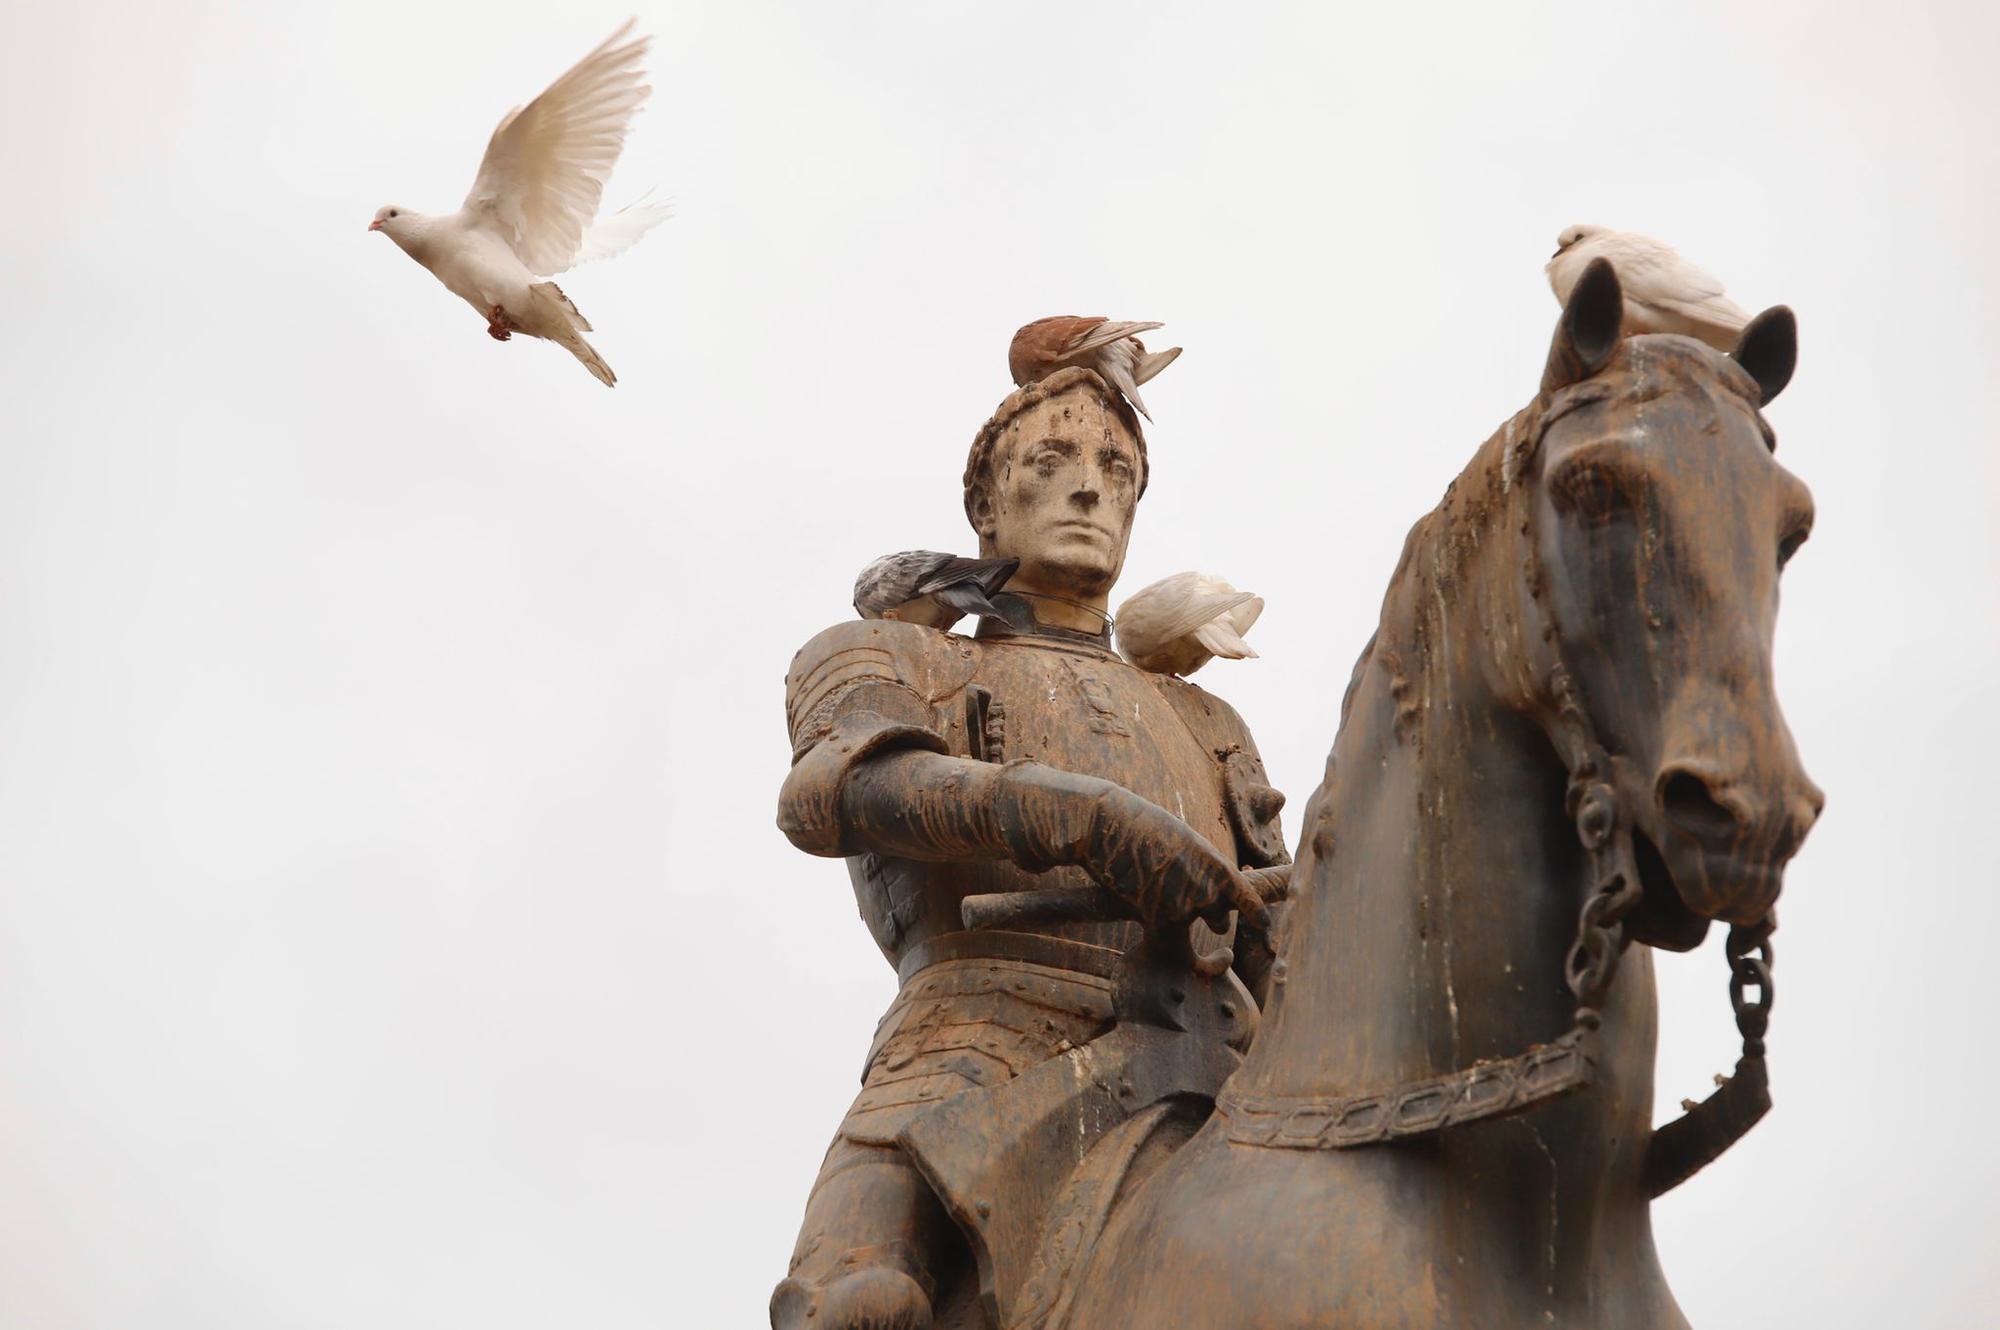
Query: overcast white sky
pixel 393 928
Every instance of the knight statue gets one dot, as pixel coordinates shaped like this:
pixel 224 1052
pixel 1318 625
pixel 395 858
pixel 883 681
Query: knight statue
pixel 1019 767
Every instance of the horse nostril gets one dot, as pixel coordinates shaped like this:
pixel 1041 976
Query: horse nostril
pixel 1805 812
pixel 1686 800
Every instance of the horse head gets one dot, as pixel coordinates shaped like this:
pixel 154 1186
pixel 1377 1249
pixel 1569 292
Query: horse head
pixel 1658 521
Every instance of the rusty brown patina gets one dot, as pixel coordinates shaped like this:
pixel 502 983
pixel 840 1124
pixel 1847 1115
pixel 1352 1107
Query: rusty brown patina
pixel 1561 748
pixel 1562 740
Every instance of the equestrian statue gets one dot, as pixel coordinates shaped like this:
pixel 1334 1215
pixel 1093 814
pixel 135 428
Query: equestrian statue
pixel 1144 1071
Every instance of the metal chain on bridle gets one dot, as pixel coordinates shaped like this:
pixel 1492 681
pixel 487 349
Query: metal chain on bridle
pixel 1703 1131
pixel 1506 1086
pixel 1543 1072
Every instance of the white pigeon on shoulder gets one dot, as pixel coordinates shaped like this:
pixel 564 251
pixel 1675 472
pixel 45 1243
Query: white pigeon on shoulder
pixel 1180 623
pixel 1664 293
pixel 529 215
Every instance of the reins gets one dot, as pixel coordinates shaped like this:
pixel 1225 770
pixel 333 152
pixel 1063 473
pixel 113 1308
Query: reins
pixel 1542 1072
pixel 1704 1130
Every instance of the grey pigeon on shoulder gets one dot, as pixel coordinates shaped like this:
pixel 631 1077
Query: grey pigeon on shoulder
pixel 1664 293
pixel 932 589
pixel 529 215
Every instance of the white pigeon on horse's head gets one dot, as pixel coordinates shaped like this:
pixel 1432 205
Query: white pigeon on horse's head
pixel 1180 623
pixel 1664 293
pixel 530 211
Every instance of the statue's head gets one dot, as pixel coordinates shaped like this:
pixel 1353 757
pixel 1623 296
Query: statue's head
pixel 1054 478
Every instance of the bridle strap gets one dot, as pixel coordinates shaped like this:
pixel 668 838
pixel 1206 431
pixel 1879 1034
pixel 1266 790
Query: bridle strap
pixel 1544 1072
pixel 1697 1138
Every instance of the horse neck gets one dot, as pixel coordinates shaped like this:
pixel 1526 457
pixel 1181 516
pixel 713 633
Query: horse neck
pixel 1439 876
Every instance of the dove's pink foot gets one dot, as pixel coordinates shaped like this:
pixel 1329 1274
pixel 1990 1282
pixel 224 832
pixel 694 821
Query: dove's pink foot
pixel 498 326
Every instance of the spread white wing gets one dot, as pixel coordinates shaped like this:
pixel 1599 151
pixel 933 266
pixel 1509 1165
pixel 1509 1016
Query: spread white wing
pixel 546 164
pixel 619 231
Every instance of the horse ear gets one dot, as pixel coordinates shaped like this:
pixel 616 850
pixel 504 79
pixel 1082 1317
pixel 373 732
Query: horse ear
pixel 1587 334
pixel 1769 349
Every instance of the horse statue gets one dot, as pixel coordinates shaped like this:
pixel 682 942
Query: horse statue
pixel 1563 739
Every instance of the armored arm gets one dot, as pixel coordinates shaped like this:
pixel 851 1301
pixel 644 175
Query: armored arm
pixel 872 773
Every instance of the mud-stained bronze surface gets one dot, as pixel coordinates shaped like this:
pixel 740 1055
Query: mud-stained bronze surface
pixel 1432 1108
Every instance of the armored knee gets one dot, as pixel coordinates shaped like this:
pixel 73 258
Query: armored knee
pixel 869 1288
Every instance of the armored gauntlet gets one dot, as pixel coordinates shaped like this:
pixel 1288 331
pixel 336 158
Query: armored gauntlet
pixel 920 805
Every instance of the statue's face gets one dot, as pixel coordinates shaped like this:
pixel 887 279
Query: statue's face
pixel 1065 486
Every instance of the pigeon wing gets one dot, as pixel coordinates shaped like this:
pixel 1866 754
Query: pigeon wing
pixel 546 164
pixel 1176 621
pixel 989 575
pixel 1219 639
pixel 620 230
pixel 1223 635
pixel 1104 334
pixel 1039 345
pixel 1657 278
pixel 1655 274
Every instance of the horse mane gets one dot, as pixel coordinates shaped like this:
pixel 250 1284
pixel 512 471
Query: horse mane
pixel 1431 566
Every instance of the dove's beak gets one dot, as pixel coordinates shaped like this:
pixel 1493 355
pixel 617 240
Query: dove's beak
pixel 375 225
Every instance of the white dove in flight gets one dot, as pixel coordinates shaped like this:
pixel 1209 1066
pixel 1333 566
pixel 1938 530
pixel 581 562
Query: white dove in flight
pixel 1180 623
pixel 529 213
pixel 1664 293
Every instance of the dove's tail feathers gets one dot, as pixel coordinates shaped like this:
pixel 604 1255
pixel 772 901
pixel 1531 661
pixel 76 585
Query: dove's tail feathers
pixel 1120 375
pixel 584 351
pixel 619 231
pixel 969 598
pixel 1218 638
pixel 565 308
pixel 565 326
pixel 1245 615
pixel 1717 320
pixel 1152 363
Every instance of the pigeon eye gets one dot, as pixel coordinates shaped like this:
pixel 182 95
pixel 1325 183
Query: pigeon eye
pixel 392 212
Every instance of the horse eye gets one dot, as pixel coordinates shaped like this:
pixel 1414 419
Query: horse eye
pixel 1589 490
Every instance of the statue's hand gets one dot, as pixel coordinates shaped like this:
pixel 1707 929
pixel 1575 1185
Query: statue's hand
pixel 1166 870
pixel 1170 872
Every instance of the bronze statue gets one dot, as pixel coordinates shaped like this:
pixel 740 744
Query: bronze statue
pixel 1562 740
pixel 1027 759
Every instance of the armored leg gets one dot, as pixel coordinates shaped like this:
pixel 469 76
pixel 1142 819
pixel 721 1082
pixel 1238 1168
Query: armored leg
pixel 872 1238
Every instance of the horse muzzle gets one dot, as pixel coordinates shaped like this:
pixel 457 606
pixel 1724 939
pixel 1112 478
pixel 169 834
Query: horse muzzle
pixel 1726 840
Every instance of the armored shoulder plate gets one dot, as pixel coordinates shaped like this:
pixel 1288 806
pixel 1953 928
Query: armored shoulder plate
pixel 857 689
pixel 902 671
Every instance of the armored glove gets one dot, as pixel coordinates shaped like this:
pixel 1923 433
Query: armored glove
pixel 921 805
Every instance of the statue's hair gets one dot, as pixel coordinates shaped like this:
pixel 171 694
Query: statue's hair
pixel 979 461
